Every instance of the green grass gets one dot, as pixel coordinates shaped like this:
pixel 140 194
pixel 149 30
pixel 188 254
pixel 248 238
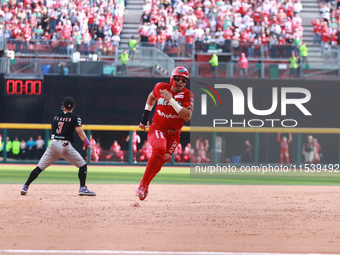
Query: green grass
pixel 64 174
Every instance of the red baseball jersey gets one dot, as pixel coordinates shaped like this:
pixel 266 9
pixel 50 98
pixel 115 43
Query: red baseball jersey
pixel 165 115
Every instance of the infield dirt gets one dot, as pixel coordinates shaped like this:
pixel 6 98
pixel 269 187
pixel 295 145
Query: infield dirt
pixel 299 219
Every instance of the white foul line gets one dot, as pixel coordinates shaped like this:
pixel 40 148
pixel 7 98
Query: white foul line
pixel 153 252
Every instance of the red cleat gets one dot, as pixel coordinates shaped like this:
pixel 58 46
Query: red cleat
pixel 142 191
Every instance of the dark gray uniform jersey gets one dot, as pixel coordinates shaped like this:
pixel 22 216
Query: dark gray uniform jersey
pixel 63 127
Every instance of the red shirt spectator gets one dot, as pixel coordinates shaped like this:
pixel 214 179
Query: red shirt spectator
pixel 334 39
pixel 26 29
pixel 116 28
pixel 228 34
pixel 199 13
pixel 264 39
pixel 316 25
pixel 257 16
pixel 243 61
pixel 152 39
pixel 244 37
pixel 281 41
pixel 325 35
pixel 161 37
pixel 290 11
pixel 16 31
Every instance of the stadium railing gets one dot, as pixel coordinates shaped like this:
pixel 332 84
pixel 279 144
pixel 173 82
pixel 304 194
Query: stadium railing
pixel 232 137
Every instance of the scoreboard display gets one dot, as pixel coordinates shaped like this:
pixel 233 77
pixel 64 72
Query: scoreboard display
pixel 23 87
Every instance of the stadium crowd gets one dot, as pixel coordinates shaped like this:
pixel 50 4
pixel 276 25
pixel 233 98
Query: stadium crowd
pixel 63 26
pixel 230 26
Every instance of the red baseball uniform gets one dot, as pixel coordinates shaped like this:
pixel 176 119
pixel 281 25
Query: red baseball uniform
pixel 164 132
pixel 284 150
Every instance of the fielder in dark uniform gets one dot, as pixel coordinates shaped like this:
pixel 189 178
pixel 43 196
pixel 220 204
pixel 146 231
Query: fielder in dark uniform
pixel 63 126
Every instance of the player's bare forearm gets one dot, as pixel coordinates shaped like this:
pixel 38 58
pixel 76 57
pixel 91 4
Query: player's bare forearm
pixel 151 100
pixel 83 137
pixel 81 133
pixel 185 114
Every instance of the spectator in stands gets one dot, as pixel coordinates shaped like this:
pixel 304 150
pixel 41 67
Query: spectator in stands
pixel 304 53
pixel 316 31
pixel 161 39
pixel 145 17
pixel 213 64
pixel 325 35
pixel 27 36
pixel 132 47
pixel 199 34
pixel 99 46
pixel 152 39
pixel 273 42
pixel 325 12
pixel 124 58
pixel 206 39
pixel 293 66
pixel 181 45
pixel 289 45
pixel 243 65
pixel 107 49
pixel 78 40
pixel 297 7
pixel 190 35
pixel 227 34
pixel 86 42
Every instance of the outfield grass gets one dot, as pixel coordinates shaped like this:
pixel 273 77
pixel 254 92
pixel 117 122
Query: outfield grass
pixel 64 174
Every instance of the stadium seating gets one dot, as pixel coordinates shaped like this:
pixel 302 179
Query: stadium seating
pixel 46 27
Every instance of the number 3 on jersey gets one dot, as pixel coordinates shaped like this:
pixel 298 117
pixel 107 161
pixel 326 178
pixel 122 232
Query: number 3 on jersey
pixel 60 127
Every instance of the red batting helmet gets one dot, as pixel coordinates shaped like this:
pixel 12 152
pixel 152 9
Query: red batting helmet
pixel 178 71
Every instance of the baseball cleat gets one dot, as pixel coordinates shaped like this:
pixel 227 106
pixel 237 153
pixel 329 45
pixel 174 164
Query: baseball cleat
pixel 24 190
pixel 83 191
pixel 142 191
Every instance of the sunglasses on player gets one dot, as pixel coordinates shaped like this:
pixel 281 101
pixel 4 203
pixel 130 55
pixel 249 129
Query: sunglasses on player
pixel 184 80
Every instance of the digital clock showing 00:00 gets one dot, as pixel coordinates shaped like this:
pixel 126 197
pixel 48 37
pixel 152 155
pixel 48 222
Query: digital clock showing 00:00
pixel 23 87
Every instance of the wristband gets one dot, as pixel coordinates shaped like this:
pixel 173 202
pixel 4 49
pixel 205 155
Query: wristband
pixel 87 142
pixel 175 105
pixel 148 107
pixel 145 117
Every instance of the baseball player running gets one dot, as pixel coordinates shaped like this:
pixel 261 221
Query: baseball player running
pixel 63 126
pixel 175 104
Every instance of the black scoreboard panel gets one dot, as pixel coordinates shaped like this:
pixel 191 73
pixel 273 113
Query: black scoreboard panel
pixel 21 100
pixel 107 100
